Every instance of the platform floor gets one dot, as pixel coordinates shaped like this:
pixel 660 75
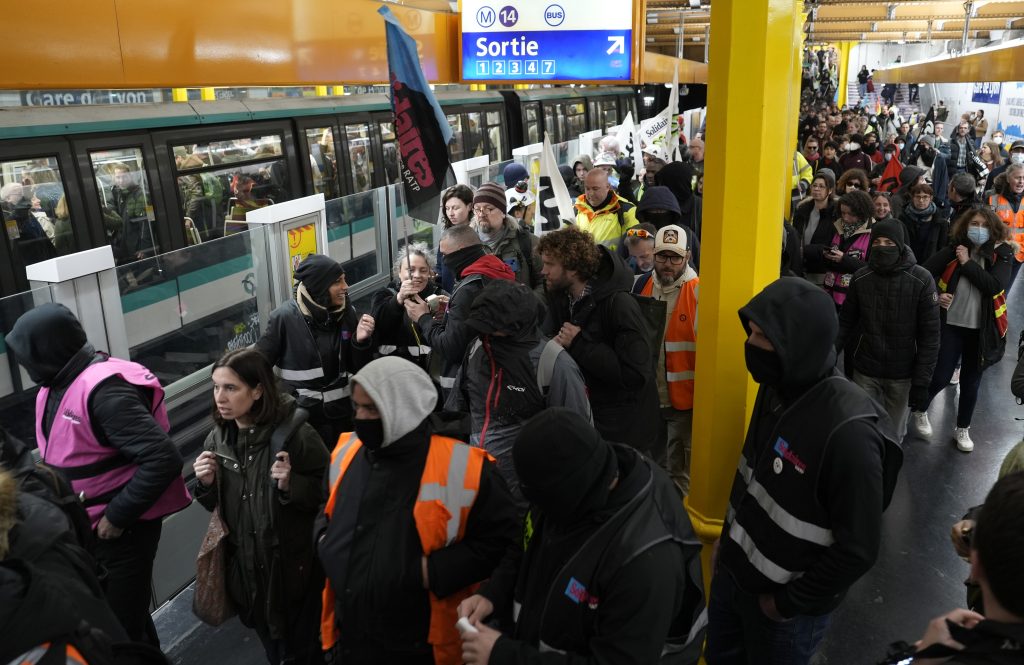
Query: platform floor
pixel 917 576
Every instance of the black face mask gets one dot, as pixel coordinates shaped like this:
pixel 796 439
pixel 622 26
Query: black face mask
pixel 765 367
pixel 870 148
pixel 884 258
pixel 461 259
pixel 370 433
pixel 660 219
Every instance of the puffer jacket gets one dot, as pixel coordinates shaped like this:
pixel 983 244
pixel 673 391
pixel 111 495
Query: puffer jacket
pixel 270 558
pixel 891 318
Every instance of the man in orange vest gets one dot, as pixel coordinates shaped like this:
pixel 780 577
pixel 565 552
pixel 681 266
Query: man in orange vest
pixel 675 282
pixel 412 523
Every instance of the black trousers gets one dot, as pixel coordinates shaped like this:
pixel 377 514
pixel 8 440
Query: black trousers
pixel 128 561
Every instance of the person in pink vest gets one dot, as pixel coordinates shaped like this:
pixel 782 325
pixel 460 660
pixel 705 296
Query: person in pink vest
pixel 103 423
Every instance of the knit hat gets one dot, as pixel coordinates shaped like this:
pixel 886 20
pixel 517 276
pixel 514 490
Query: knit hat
pixel 513 173
pixel 568 481
pixel 927 138
pixel 891 229
pixel 490 193
pixel 672 238
pixel 317 272
pixel 828 176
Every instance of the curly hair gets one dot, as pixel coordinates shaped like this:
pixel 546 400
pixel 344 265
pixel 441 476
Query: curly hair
pixel 997 231
pixel 574 249
pixel 852 174
pixel 859 203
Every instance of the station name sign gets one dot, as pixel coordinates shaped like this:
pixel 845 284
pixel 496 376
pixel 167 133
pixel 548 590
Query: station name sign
pixel 547 40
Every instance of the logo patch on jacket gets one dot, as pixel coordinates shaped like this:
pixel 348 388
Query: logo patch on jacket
pixel 72 416
pixel 783 451
pixel 578 593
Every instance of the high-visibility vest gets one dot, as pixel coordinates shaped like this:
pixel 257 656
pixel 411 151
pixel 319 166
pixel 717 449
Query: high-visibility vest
pixel 680 344
pixel 1014 220
pixel 448 489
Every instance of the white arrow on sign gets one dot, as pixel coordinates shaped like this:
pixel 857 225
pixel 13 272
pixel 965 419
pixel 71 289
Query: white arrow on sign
pixel 618 44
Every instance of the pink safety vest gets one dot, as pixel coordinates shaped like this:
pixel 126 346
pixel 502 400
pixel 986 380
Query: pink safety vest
pixel 73 448
pixel 837 283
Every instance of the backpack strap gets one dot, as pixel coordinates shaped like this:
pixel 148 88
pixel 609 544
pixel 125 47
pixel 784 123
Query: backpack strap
pixel 546 366
pixel 641 283
pixel 286 429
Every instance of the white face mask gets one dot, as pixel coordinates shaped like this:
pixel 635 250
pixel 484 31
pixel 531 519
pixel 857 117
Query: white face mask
pixel 900 146
pixel 888 156
pixel 1017 158
pixel 854 146
pixel 998 140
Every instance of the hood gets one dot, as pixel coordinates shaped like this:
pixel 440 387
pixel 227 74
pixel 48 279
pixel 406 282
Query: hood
pixel 613 274
pixel 489 266
pixel 45 339
pixel 678 177
pixel 403 393
pixel 800 320
pixel 8 510
pixel 584 160
pixel 507 307
pixel 658 197
pixel 567 174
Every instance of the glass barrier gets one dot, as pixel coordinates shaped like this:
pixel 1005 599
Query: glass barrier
pixel 183 309
pixel 406 226
pixel 17 391
pixel 352 234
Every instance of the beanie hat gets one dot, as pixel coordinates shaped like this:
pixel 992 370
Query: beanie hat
pixel 828 176
pixel 490 193
pixel 513 173
pixel 317 272
pixel 570 480
pixel 891 229
pixel 927 138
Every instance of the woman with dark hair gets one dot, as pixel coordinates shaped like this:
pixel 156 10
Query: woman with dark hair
pixel 972 273
pixel 456 209
pixel 851 239
pixel 813 221
pixel 851 180
pixel 268 500
pixel 926 229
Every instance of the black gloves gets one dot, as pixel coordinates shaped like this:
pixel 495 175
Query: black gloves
pixel 625 168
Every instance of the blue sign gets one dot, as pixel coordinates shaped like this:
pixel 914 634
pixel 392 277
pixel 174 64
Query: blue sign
pixel 986 93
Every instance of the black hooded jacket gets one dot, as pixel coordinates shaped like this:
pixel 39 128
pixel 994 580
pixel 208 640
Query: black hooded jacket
pixel 613 351
pixel 50 344
pixel 678 177
pixel 394 328
pixel 661 198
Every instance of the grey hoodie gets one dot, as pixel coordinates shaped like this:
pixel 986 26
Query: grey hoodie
pixel 403 393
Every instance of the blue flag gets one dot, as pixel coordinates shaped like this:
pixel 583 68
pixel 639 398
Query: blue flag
pixel 420 124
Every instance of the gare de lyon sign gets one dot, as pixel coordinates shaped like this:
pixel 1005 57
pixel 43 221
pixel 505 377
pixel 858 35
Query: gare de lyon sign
pixel 545 41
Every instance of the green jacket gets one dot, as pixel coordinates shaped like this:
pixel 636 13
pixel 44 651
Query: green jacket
pixel 270 555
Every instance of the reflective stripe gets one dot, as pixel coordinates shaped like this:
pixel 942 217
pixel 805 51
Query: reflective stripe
pixel 335 471
pixel 547 648
pixel 679 376
pixel 766 566
pixel 328 396
pixel 745 469
pixel 680 346
pixel 301 374
pixel 386 349
pixel 446 381
pixel 786 521
pixel 421 350
pixel 453 494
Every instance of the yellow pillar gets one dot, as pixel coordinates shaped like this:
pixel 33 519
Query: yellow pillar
pixel 207 94
pixel 844 70
pixel 179 94
pixel 794 126
pixel 750 105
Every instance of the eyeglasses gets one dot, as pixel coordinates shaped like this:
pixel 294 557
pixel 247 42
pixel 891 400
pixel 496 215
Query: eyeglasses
pixel 674 259
pixel 855 185
pixel 638 233
pixel 922 197
pixel 484 212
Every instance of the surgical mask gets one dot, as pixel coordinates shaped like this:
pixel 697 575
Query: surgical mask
pixel 888 156
pixel 765 367
pixel 883 258
pixel 978 235
pixel 998 140
pixel 845 146
pixel 854 147
pixel 900 146
pixel 370 433
pixel 1017 157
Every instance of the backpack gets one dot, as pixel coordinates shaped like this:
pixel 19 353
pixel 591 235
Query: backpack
pixel 545 367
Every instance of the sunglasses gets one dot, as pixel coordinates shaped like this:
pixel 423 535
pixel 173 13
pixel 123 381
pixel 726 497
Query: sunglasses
pixel 638 233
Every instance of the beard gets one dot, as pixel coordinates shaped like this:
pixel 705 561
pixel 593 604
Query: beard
pixel 668 279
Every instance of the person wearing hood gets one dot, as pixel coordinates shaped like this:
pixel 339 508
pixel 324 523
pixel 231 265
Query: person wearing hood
pixel 581 166
pixel 972 273
pixel 818 467
pixel 908 177
pixel 103 422
pixel 678 178
pixel 592 315
pixel 466 258
pixel 634 599
pixel 855 157
pixel 601 212
pixel 412 522
pixel 395 333
pixel 511 374
pixel 813 220
pixel 660 208
pixel 267 499
pixel 891 321
pixel 316 342
pixel 926 229
pixel 505 236
pixel 675 283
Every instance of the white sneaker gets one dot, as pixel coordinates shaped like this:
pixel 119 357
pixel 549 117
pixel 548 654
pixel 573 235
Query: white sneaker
pixel 921 423
pixel 956 377
pixel 963 439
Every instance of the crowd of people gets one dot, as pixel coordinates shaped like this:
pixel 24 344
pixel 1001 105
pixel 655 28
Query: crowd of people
pixel 489 465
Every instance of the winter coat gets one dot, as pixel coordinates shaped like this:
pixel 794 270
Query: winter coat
pixel 392 326
pixel 925 238
pixel 822 237
pixel 891 320
pixel 270 553
pixel 518 249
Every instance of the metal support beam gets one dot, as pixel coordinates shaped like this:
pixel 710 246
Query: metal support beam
pixel 968 11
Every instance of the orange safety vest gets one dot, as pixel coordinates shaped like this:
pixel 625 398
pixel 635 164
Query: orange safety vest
pixel 1014 220
pixel 448 489
pixel 680 344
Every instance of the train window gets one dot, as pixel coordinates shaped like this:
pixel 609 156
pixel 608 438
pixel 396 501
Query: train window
pixel 550 112
pixel 126 202
pixel 360 156
pixel 531 115
pixel 322 162
pixel 35 212
pixel 576 120
pixel 495 136
pixel 217 187
pixel 389 144
pixel 457 147
pixel 610 114
pixel 474 135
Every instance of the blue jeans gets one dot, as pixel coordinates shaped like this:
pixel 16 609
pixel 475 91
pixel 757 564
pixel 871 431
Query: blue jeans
pixel 740 634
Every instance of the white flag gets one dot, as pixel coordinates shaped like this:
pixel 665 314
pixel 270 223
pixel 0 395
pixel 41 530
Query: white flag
pixel 629 140
pixel 654 135
pixel 673 113
pixel 561 198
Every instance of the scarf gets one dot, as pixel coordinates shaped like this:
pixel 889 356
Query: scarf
pixel 847 230
pixel 919 216
pixel 317 313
